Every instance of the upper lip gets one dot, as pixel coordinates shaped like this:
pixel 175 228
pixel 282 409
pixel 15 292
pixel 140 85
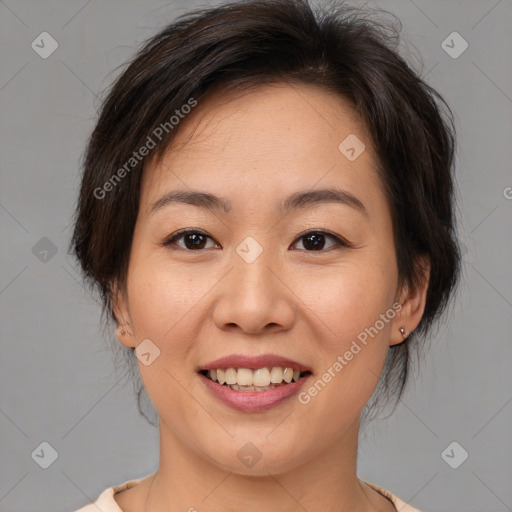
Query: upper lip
pixel 254 362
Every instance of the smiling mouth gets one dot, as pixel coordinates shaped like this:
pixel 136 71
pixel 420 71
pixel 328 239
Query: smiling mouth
pixel 261 379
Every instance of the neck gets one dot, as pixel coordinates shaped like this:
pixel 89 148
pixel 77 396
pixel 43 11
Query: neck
pixel 328 481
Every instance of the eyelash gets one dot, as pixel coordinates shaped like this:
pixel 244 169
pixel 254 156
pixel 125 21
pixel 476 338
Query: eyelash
pixel 339 242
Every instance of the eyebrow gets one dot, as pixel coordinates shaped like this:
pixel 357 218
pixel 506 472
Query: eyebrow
pixel 298 200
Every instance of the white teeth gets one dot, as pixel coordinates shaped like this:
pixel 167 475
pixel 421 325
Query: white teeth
pixel 244 377
pixel 231 376
pixel 288 375
pixel 276 375
pixel 262 378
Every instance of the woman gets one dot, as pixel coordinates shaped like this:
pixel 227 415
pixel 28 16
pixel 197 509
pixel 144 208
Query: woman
pixel 267 212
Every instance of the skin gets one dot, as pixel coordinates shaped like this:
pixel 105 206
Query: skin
pixel 197 305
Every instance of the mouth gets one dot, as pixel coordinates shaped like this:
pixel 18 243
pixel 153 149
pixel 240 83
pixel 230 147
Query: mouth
pixel 253 383
pixel 254 380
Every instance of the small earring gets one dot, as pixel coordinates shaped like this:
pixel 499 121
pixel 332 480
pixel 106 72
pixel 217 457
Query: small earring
pixel 403 332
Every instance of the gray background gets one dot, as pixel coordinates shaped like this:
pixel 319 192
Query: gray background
pixel 59 382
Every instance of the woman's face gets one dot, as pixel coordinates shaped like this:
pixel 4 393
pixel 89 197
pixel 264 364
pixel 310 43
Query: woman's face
pixel 251 284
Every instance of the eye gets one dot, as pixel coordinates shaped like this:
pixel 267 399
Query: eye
pixel 193 239
pixel 315 240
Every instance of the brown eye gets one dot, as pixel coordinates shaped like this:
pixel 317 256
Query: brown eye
pixel 316 241
pixel 192 240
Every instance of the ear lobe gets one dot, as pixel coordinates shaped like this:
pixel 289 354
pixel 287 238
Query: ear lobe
pixel 413 305
pixel 121 312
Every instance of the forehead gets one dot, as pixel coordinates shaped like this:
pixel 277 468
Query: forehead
pixel 271 139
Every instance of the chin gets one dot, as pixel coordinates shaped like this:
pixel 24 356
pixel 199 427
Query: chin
pixel 256 457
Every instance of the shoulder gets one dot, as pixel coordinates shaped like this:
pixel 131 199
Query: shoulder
pixel 399 504
pixel 105 501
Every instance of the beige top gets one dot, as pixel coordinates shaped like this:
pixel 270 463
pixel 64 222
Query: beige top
pixel 106 502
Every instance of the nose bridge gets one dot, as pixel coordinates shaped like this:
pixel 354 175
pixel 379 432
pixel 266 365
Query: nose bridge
pixel 252 297
pixel 252 262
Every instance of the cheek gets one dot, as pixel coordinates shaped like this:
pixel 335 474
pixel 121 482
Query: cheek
pixel 161 295
pixel 163 308
pixel 352 298
pixel 356 310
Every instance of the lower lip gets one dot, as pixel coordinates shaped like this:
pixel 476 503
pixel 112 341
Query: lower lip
pixel 252 401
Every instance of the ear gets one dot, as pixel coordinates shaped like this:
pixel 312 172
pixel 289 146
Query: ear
pixel 124 326
pixel 413 302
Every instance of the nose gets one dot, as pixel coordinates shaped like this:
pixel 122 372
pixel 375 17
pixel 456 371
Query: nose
pixel 254 297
